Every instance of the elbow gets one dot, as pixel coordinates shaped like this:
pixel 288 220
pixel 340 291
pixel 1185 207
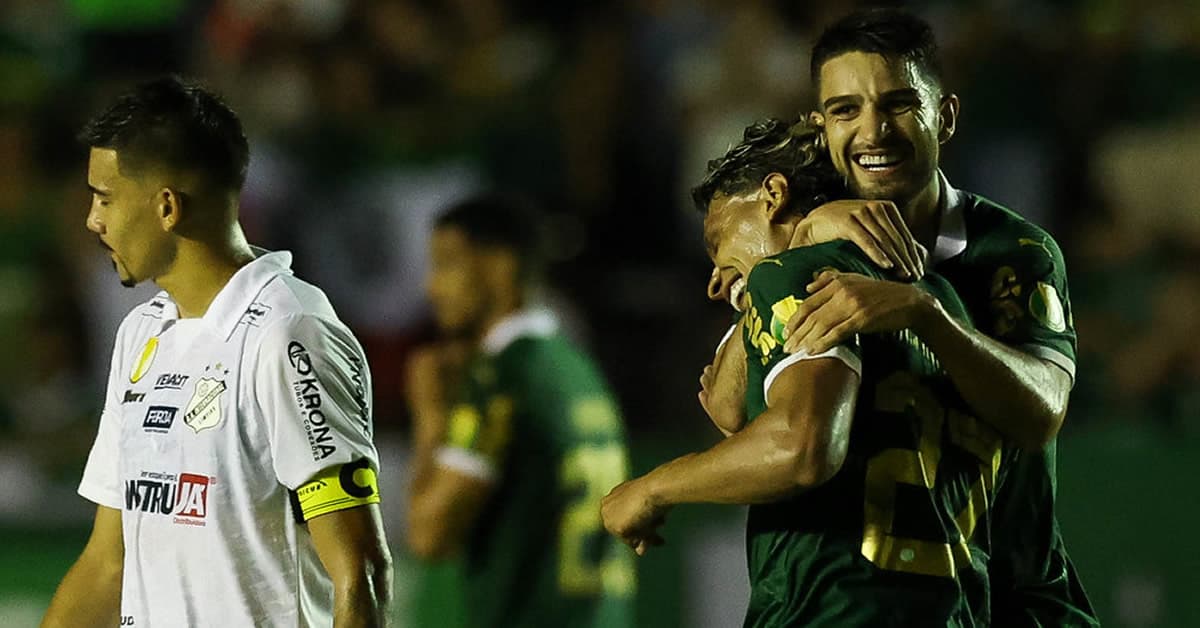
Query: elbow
pixel 1044 430
pixel 816 462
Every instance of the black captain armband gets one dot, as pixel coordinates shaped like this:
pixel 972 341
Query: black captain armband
pixel 336 488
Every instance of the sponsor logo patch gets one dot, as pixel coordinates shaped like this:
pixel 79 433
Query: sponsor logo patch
pixel 183 496
pixel 170 381
pixel 309 400
pixel 203 411
pixel 159 419
pixel 254 314
pixel 133 397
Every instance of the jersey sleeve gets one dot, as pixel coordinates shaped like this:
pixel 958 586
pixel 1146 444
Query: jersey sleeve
pixel 101 483
pixel 479 427
pixel 313 389
pixel 776 287
pixel 1028 302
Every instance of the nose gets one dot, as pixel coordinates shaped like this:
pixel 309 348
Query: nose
pixel 719 283
pixel 875 125
pixel 93 222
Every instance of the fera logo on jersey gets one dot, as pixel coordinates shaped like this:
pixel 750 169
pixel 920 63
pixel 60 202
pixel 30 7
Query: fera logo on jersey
pixel 298 356
pixel 183 496
pixel 159 419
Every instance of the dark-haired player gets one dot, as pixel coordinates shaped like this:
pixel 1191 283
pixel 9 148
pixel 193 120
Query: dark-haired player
pixel 234 470
pixel 517 436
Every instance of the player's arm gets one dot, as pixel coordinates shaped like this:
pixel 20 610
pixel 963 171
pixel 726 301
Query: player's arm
pixel 90 593
pixel 723 383
pixel 1021 395
pixel 443 508
pixel 352 547
pixel 797 444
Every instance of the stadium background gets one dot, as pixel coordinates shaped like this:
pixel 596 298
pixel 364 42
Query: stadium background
pixel 367 117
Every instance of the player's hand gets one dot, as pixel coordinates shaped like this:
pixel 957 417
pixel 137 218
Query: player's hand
pixel 631 515
pixel 432 371
pixel 843 304
pixel 876 227
pixel 723 384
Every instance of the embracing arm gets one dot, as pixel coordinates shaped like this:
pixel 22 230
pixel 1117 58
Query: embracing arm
pixel 798 443
pixel 442 509
pixel 1022 396
pixel 352 547
pixel 90 593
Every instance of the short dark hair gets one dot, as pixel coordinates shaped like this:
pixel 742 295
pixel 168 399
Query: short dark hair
pixel 173 123
pixel 893 33
pixel 504 221
pixel 793 148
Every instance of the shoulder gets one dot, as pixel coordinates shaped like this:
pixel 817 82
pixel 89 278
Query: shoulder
pixel 994 226
pixel 802 263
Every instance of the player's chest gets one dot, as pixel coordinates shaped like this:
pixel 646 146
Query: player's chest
pixel 182 400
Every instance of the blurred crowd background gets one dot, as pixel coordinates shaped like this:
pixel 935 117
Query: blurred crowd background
pixel 367 117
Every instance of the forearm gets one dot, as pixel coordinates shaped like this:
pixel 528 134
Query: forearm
pixel 364 602
pixel 762 463
pixel 1022 396
pixel 429 431
pixel 89 595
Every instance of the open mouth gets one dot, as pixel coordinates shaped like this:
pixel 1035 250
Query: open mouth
pixel 882 162
pixel 737 292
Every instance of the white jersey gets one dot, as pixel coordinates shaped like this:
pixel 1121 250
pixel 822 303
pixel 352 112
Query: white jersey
pixel 209 427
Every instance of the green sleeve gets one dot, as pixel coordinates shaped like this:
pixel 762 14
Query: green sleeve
pixel 1028 303
pixel 480 422
pixel 777 286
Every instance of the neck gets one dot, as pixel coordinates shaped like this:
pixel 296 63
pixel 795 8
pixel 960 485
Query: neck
pixel 201 270
pixel 921 213
pixel 506 305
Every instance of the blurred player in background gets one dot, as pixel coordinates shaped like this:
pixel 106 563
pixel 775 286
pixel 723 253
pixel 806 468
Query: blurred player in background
pixel 867 481
pixel 234 470
pixel 886 114
pixel 517 437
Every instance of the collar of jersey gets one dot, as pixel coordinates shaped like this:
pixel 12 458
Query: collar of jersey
pixel 231 302
pixel 537 322
pixel 952 228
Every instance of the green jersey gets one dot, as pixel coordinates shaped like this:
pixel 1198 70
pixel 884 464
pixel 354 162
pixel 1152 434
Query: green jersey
pixel 537 419
pixel 1011 276
pixel 899 536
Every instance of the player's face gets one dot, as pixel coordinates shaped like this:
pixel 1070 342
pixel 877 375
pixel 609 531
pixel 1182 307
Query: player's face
pixel 456 284
pixel 884 122
pixel 124 217
pixel 737 234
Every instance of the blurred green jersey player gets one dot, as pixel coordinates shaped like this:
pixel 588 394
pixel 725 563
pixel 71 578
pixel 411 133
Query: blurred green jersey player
pixel 517 437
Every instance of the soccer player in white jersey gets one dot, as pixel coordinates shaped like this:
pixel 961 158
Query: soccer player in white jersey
pixel 234 472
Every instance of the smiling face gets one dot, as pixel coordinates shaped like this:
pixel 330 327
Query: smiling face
pixel 125 217
pixel 884 121
pixel 740 230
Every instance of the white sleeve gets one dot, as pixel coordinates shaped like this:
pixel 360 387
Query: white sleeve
pixel 101 481
pixel 313 388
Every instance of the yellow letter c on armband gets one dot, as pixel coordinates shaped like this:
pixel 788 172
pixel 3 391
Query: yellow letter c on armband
pixel 338 488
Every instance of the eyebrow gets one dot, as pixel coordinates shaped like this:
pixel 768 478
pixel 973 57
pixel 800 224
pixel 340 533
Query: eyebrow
pixel 96 190
pixel 852 99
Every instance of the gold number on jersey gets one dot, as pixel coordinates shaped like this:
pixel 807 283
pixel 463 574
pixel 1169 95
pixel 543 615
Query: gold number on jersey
pixel 918 467
pixel 591 470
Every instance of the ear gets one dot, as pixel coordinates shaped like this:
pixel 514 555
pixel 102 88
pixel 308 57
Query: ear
pixel 947 118
pixel 168 203
pixel 775 193
pixel 502 265
pixel 817 119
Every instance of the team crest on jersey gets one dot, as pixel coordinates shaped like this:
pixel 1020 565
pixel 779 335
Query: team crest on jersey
pixel 204 409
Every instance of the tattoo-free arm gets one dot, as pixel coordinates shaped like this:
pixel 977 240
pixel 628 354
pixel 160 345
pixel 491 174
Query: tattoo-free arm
pixel 90 593
pixel 798 443
pixel 1022 396
pixel 442 510
pixel 352 547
